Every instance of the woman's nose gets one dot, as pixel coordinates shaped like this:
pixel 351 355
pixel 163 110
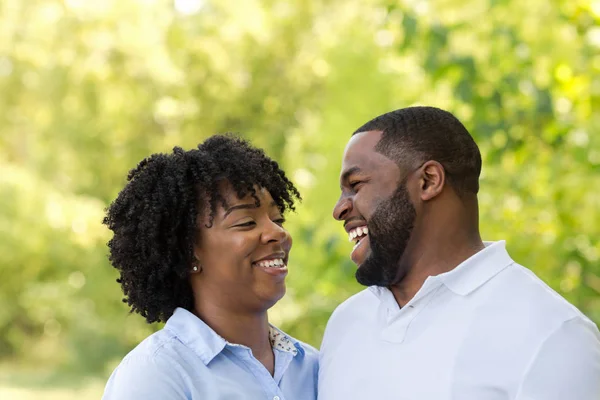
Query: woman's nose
pixel 274 233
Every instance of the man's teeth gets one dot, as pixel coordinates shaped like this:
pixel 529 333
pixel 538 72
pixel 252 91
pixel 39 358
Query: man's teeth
pixel 357 232
pixel 276 263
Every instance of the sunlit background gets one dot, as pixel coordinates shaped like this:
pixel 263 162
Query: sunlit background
pixel 88 88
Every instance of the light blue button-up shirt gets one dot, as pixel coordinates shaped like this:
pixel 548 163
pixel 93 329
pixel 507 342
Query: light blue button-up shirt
pixel 188 360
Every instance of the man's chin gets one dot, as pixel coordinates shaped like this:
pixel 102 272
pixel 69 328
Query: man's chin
pixel 368 272
pixel 366 276
pixel 375 271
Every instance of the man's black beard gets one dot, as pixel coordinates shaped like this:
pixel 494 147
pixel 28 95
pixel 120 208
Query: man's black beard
pixel 390 228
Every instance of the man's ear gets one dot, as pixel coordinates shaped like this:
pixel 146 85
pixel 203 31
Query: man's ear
pixel 432 180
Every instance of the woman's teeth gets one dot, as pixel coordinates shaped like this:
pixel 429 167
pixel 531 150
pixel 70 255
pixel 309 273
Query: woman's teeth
pixel 276 263
pixel 358 233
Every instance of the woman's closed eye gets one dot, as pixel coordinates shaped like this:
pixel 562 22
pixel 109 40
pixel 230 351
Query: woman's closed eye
pixel 252 223
pixel 279 221
pixel 246 224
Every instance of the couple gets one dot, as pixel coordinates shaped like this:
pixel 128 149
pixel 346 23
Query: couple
pixel 199 243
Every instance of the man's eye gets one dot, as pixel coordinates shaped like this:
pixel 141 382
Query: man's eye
pixel 354 184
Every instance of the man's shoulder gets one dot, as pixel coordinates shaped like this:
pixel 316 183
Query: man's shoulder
pixel 356 306
pixel 543 295
pixel 365 299
pixel 533 301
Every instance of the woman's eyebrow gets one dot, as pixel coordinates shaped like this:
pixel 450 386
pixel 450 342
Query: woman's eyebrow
pixel 239 207
pixel 245 206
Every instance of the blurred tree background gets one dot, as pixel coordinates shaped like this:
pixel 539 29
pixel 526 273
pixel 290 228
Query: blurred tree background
pixel 88 88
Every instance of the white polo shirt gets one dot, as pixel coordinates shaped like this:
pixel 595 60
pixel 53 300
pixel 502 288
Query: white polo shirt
pixel 487 330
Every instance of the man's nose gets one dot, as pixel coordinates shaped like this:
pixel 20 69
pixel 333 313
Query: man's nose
pixel 342 208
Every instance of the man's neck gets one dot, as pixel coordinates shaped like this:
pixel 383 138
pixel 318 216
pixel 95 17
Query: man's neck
pixel 433 257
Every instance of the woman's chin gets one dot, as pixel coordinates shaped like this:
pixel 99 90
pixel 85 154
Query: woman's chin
pixel 271 296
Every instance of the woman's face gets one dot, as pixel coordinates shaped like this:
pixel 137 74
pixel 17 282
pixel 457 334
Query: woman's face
pixel 242 257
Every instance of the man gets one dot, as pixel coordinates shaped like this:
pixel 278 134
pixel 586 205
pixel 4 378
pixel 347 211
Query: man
pixel 445 315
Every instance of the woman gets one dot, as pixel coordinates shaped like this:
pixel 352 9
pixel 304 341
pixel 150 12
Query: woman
pixel 199 243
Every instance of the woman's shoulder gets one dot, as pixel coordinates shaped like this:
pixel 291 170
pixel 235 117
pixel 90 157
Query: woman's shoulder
pixel 151 368
pixel 154 346
pixel 159 351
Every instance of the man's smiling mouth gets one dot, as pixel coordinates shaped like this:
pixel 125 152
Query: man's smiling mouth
pixel 357 234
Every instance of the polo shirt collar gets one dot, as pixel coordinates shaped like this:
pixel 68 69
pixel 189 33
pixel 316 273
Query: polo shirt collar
pixel 464 278
pixel 475 271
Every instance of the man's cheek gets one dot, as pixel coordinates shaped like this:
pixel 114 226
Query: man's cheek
pixel 367 207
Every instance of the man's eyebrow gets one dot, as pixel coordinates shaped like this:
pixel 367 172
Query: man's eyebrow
pixel 347 174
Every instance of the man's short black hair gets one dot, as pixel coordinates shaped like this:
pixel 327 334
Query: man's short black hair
pixel 415 135
pixel 154 217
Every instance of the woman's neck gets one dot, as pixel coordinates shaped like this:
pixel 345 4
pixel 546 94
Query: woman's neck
pixel 248 329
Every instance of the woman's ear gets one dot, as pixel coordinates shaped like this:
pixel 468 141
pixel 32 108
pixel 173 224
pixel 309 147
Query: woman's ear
pixel 196 267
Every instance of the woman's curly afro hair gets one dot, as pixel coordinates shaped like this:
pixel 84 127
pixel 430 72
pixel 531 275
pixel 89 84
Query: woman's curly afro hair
pixel 154 217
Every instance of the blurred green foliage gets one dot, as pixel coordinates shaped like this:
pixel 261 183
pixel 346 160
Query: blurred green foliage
pixel 88 88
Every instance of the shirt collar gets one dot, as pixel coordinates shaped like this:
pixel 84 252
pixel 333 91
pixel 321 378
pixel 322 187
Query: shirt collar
pixel 281 341
pixel 207 344
pixel 463 279
pixel 195 334
pixel 477 269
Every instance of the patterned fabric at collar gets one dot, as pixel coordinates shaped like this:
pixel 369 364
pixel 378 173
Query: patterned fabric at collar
pixel 280 341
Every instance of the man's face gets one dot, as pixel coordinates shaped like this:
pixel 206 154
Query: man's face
pixel 376 209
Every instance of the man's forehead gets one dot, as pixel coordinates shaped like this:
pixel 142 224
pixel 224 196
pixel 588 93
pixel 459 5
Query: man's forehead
pixel 360 151
pixel 363 140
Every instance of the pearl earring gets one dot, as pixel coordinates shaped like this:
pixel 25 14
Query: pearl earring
pixel 195 268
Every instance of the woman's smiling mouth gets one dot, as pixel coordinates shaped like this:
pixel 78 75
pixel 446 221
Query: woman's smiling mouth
pixel 274 264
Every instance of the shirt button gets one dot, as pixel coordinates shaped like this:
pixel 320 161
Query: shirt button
pixel 276 398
